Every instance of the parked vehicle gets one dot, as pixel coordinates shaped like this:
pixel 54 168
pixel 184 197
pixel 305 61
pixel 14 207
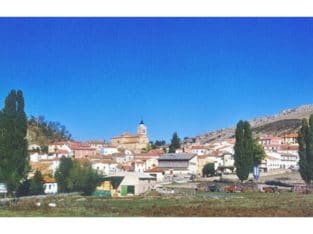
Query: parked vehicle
pixel 230 189
pixel 270 189
pixel 213 188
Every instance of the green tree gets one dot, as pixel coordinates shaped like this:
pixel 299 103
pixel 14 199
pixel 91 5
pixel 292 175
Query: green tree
pixel 164 150
pixel 23 189
pixel 148 148
pixel 175 143
pixel 243 150
pixel 89 179
pixel 36 184
pixel 14 163
pixel 157 144
pixel 258 153
pixel 82 178
pixel 151 146
pixel 44 149
pixel 75 176
pixel 305 141
pixel 62 174
pixel 208 170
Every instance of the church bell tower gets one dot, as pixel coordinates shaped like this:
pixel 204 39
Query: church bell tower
pixel 142 129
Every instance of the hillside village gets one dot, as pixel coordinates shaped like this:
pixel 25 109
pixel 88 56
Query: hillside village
pixel 141 170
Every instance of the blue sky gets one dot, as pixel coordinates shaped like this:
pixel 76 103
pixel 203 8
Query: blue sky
pixel 191 75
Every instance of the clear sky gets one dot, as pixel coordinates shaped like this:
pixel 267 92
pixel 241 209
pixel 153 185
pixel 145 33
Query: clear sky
pixel 191 75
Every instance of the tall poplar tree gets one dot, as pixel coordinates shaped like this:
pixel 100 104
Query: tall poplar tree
pixel 14 163
pixel 305 141
pixel 243 150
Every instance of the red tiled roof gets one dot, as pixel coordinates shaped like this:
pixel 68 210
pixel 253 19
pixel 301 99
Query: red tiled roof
pixel 289 147
pixel 109 161
pixel 48 179
pixel 126 167
pixel 156 151
pixel 138 161
pixel 291 135
pixel 197 147
pixel 62 152
pixel 81 147
pixel 271 158
pixel 64 143
pixel 98 142
pixel 156 169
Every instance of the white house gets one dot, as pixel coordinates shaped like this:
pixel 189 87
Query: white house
pixel 34 157
pixel 138 165
pixel 272 161
pixel 289 160
pixel 291 138
pixel 228 160
pixel 33 147
pixel 151 163
pixel 50 186
pixel 108 150
pixel 156 172
pixel 120 159
pixel 128 152
pixel 105 167
pixel 179 151
pixel 216 159
pixel 96 144
pixel 66 146
pixel 63 153
pixel 150 160
pixel 199 150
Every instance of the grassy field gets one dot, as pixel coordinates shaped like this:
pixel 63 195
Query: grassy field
pixel 199 205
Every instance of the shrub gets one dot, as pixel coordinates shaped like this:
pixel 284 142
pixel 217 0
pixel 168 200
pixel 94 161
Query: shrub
pixel 208 170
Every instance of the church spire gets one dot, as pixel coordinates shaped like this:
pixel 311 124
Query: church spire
pixel 141 121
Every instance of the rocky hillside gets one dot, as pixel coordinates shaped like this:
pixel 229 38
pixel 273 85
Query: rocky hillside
pixel 284 122
pixel 43 132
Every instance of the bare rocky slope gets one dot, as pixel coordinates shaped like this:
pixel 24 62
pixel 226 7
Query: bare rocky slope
pixel 284 122
pixel 42 132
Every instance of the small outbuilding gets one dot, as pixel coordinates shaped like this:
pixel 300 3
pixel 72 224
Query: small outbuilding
pixel 126 184
pixel 50 186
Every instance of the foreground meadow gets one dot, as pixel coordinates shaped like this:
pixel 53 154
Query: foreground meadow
pixel 198 205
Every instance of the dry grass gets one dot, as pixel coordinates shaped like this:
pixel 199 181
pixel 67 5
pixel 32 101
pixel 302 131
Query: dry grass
pixel 200 205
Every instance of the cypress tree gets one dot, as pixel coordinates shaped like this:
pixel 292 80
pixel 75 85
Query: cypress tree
pixel 62 173
pixel 13 144
pixel 243 150
pixel 175 143
pixel 36 184
pixel 305 141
